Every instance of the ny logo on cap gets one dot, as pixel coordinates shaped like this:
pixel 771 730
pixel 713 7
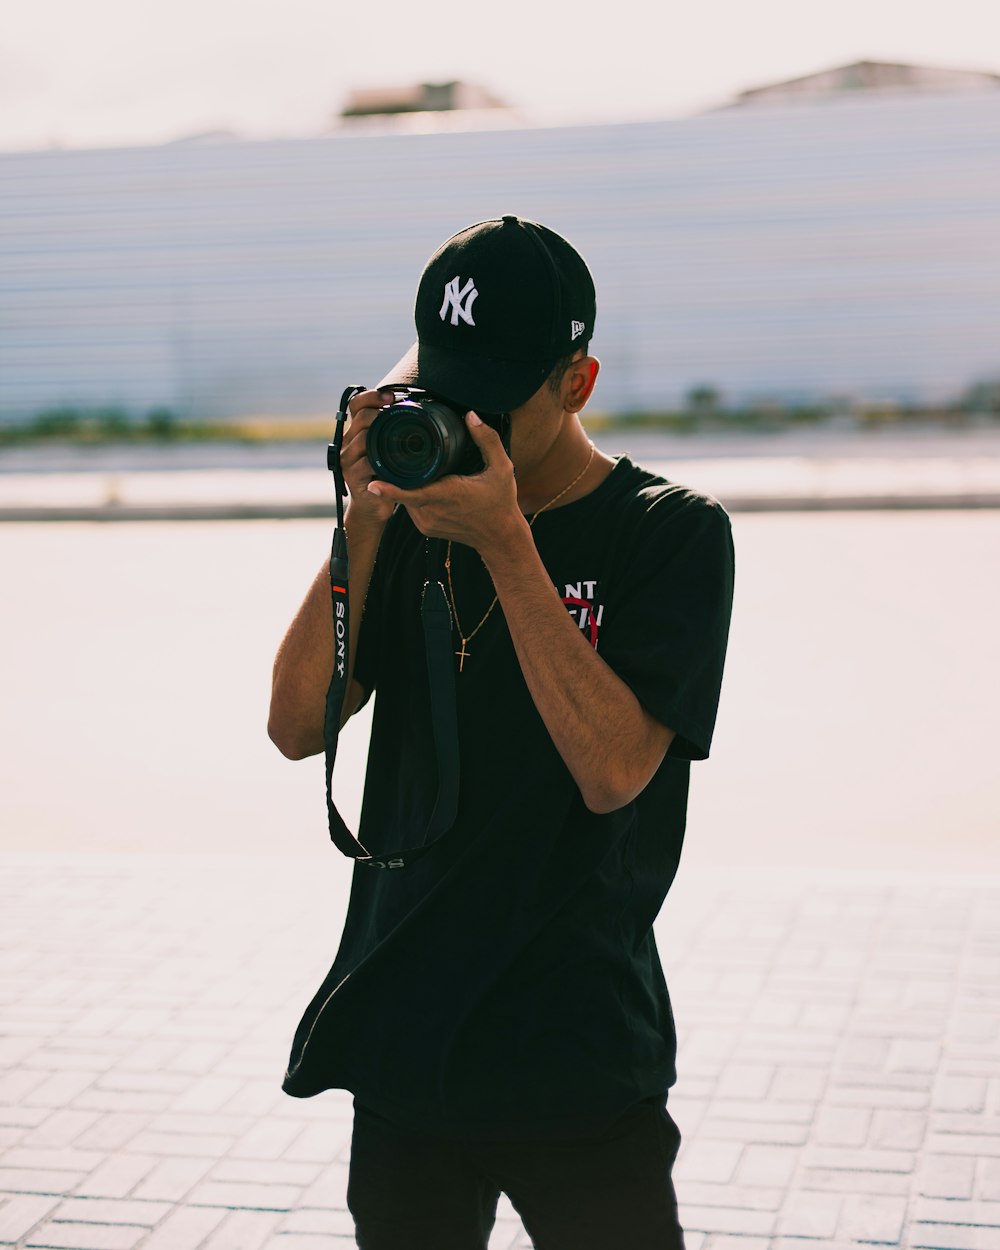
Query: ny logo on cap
pixel 459 301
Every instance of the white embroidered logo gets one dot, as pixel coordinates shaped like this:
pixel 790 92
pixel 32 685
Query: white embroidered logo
pixel 578 329
pixel 453 299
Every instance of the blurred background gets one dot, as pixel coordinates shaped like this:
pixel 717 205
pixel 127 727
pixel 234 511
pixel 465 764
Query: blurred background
pixel 214 218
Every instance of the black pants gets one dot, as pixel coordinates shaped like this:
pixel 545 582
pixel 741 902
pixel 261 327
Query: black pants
pixel 407 1191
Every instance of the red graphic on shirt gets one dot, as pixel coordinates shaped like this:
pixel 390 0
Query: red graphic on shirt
pixel 583 611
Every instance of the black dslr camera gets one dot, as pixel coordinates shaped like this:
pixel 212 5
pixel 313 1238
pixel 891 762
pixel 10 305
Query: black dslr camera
pixel 415 441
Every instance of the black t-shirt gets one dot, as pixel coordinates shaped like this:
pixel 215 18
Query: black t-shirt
pixel 508 983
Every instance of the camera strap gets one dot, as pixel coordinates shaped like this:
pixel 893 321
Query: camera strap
pixel 435 613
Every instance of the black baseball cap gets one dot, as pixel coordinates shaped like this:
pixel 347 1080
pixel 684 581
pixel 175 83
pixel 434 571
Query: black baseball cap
pixel 498 304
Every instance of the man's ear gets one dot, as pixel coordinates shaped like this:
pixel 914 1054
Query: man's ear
pixel 578 384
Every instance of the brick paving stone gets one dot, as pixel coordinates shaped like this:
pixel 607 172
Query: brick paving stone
pixel 256 1098
pixel 17 1084
pixel 703 1160
pixel 111 1211
pixel 954 1237
pixel 329 1190
pixel 316 1143
pixel 243 1230
pixel 949 1211
pixel 687 1113
pixel 60 1128
pixel 60 1088
pixel 68 1058
pixel 756 1131
pixel 752 1197
pixel 268 1139
pixel 209 1093
pixel 149 1055
pixel 173 1179
pixel 870 1217
pixel 86 1236
pixel 198 1056
pixel 987 1183
pixel 793 1084
pixel 914 1056
pixel 964 1144
pixel 99 1099
pixel 846 1094
pixel 20 1214
pixel 184 1145
pixel 889 1184
pixel 744 1080
pixel 767 1166
pixel 946 1176
pixel 35 1181
pixel 897 1130
pixel 810 1215
pixel 95 1021
pixel 55 1158
pixel 14 1050
pixel 117 1176
pixel 725 1219
pixel 188 1122
pixel 265 1173
pixel 725 1241
pixel 305 1241
pixel 761 1111
pixel 143 1082
pixel 270 1197
pixel 332 1222
pixel 961 1122
pixel 835 1158
pixel 186 1228
pixel 114 1130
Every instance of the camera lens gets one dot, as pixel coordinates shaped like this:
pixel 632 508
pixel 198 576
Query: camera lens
pixel 412 443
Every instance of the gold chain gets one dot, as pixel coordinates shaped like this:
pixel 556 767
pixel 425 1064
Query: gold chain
pixel 463 654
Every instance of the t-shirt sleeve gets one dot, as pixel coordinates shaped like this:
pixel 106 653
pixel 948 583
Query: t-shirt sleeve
pixel 668 617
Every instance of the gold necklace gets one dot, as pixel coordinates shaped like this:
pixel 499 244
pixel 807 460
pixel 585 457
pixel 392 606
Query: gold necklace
pixel 463 654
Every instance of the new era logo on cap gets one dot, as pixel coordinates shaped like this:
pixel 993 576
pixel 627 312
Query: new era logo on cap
pixel 576 330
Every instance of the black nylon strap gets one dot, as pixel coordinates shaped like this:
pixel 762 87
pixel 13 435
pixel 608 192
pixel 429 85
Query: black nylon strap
pixel 435 614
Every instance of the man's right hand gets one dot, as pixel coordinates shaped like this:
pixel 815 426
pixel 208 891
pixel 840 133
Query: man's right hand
pixel 364 506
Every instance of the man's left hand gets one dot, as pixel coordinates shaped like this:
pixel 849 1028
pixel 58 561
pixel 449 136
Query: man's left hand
pixel 478 510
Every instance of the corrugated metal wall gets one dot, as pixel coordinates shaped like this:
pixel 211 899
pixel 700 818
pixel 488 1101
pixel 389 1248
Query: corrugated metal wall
pixel 848 247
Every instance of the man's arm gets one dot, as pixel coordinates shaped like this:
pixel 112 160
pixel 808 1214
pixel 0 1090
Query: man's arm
pixel 304 663
pixel 608 741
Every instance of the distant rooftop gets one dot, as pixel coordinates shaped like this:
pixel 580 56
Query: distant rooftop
pixel 867 76
pixel 423 97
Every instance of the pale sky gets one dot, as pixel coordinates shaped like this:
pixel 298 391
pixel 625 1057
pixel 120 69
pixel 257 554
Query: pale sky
pixel 106 72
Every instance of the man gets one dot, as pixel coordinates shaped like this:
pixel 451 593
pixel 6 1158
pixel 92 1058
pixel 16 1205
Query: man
pixel 498 1007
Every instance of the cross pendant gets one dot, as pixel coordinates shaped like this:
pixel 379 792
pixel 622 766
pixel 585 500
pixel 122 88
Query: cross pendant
pixel 462 654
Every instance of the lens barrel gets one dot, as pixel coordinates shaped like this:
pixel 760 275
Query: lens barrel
pixel 418 440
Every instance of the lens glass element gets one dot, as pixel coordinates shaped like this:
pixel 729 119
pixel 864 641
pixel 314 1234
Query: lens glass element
pixel 415 441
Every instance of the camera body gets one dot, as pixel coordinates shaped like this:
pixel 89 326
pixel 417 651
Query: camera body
pixel 421 438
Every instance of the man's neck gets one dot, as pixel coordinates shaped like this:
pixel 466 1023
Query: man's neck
pixel 579 467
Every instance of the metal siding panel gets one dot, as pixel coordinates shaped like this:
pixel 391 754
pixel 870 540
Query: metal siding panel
pixel 850 245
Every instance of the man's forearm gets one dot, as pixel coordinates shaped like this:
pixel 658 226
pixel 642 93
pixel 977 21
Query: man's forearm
pixel 304 663
pixel 597 724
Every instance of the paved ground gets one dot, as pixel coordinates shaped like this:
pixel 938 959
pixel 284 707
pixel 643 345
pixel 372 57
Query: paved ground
pixel 839 1057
